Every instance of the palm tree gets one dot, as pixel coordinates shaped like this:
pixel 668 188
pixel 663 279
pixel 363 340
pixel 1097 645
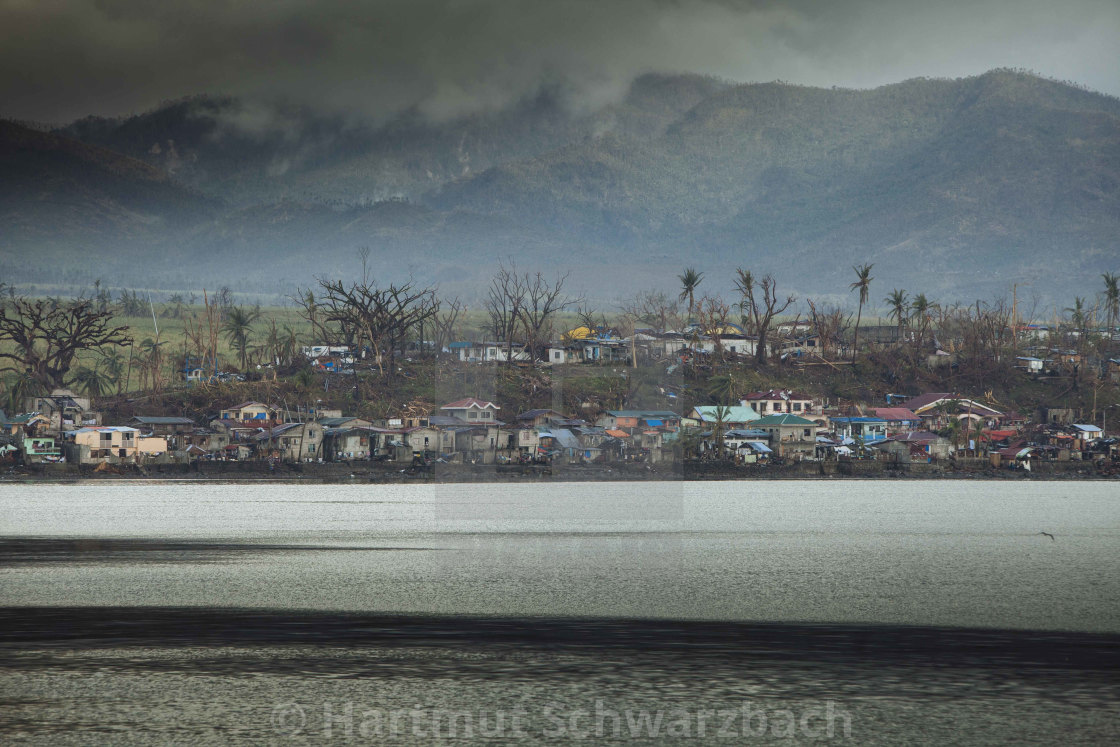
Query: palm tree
pixel 92 380
pixel 1112 297
pixel 977 434
pixel 719 427
pixel 722 387
pixel 305 379
pixel 688 441
pixel 953 431
pixel 237 327
pixel 272 344
pixel 896 300
pixel 920 309
pixel 690 279
pixel 150 360
pixel 18 388
pixel 290 347
pixel 114 363
pixel 863 282
pixel 1077 313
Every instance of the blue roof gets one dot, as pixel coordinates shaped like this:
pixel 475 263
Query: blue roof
pixel 858 420
pixel 654 422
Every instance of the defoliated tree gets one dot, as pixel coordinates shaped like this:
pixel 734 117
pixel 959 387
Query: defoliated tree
pixel 542 300
pixel 760 308
pixel 43 336
pixel 504 301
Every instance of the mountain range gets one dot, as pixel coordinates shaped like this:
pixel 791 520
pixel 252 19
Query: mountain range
pixel 955 188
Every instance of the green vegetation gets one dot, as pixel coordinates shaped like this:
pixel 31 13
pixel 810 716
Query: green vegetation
pixel 139 364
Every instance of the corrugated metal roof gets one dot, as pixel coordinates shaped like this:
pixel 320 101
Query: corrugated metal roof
pixel 160 420
pixel 784 419
pixel 733 414
pixel 467 402
pixel 894 413
pixel 566 438
pixel 666 414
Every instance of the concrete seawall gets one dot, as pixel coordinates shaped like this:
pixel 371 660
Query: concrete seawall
pixel 372 472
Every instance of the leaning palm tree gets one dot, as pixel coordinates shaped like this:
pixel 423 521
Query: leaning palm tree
pixel 1112 297
pixel 863 283
pixel 238 329
pixel 897 302
pixel 690 279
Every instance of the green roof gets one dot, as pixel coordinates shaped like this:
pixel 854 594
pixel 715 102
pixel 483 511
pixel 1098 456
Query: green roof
pixel 21 419
pixel 781 420
pixel 733 414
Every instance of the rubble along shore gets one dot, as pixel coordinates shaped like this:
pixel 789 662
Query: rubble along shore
pixel 362 472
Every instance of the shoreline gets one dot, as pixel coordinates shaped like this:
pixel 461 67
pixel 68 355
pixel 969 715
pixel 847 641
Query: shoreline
pixel 365 473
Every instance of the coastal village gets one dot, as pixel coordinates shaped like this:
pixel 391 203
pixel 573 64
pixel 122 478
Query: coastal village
pixel 760 432
pixel 396 376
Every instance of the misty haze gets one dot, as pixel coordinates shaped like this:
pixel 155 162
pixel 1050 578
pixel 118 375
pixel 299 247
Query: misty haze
pixel 671 371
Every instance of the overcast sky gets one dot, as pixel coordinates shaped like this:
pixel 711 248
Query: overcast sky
pixel 61 59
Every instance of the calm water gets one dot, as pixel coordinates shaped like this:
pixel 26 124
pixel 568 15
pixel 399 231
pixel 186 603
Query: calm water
pixel 909 611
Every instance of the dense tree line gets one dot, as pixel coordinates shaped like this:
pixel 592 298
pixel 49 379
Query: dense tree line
pixel 51 342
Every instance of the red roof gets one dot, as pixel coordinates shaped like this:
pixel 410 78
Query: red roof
pixel 915 403
pixel 894 413
pixel 617 433
pixel 976 408
pixel 462 404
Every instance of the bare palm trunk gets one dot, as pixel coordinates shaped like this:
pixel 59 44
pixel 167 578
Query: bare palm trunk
pixel 855 338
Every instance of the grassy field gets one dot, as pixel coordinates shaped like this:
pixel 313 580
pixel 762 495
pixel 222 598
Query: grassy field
pixel 176 345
